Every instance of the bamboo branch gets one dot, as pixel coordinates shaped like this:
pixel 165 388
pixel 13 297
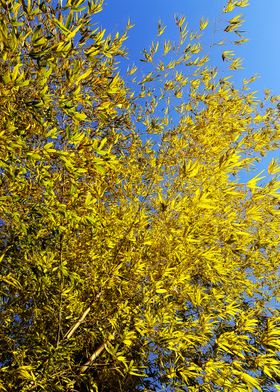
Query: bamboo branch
pixel 59 330
pixel 92 358
pixel 96 354
pixel 78 323
pixel 71 331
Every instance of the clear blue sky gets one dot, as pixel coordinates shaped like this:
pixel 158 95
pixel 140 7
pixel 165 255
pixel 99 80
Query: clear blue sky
pixel 261 54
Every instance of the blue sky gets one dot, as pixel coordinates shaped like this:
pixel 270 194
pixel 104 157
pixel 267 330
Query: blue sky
pixel 261 54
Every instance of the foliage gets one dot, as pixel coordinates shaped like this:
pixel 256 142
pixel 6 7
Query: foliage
pixel 128 262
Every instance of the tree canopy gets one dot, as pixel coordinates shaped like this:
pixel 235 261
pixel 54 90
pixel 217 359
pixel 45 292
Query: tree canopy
pixel 132 257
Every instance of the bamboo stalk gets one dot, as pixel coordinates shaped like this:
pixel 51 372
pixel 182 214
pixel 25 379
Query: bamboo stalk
pixel 92 358
pixel 71 331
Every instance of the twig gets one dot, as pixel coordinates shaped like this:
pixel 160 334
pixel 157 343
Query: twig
pixel 71 331
pixel 96 354
pixel 59 330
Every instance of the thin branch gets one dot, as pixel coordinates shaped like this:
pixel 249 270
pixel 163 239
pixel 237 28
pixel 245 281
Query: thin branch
pixel 59 330
pixel 92 358
pixel 96 354
pixel 71 331
pixel 79 322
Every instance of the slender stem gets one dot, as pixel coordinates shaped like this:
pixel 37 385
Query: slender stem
pixel 96 354
pixel 59 330
pixel 71 331
pixel 92 358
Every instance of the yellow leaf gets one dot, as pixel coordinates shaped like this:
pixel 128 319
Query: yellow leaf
pixel 203 24
pixel 83 76
pixel 161 28
pixel 80 116
pixel 161 291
